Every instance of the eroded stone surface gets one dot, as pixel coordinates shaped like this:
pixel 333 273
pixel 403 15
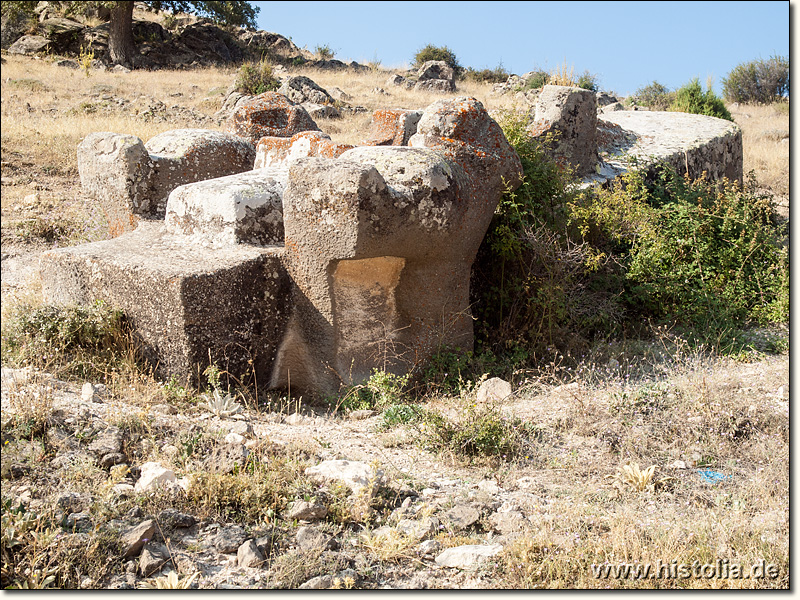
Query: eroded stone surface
pixel 570 115
pixel 189 305
pixel 277 151
pixel 269 114
pixel 242 208
pixel 392 127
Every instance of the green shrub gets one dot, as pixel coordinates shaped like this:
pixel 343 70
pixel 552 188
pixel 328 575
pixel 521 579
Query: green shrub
pixel 443 53
pixel 759 81
pixel 537 80
pixel 588 81
pixel 691 99
pixel 256 78
pixel 496 75
pixel 705 255
pixel 382 389
pixel 324 52
pixel 480 432
pixel 654 96
pixel 534 286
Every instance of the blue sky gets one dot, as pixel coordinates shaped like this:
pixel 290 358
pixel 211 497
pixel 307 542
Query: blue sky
pixel 626 44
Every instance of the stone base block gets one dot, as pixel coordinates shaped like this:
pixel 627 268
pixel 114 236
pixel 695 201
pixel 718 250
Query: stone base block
pixel 189 306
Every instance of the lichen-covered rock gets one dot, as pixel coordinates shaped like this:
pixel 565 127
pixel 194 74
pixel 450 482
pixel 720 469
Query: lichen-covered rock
pixel 269 114
pixel 115 169
pixel 246 208
pixel 182 156
pixel 392 127
pixel 133 180
pixel 300 89
pixel 280 152
pixel 442 86
pixel 436 69
pixel 570 113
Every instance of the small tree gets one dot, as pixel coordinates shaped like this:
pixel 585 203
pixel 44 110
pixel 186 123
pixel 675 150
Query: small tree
pixel 759 81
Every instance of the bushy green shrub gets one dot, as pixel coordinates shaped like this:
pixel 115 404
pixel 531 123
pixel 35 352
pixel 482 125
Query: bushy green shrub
pixel 588 81
pixel 256 78
pixel 537 80
pixel 654 96
pixel 324 52
pixel 443 53
pixel 758 81
pixel 705 255
pixel 481 431
pixel 381 390
pixel 531 283
pixel 691 99
pixel 496 75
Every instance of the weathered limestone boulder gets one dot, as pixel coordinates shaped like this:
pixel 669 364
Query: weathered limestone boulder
pixel 436 76
pixel 570 113
pixel 435 85
pixel 132 180
pixel 29 44
pixel 269 114
pixel 189 305
pixel 436 69
pixel 115 169
pixel 243 208
pixel 321 111
pixel 275 151
pixel 300 89
pixel 392 127
pixel 380 242
pixel 182 156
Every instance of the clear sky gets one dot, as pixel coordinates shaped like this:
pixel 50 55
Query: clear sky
pixel 626 44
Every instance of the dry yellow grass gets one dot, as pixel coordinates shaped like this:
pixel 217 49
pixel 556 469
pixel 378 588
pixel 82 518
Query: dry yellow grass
pixel 765 132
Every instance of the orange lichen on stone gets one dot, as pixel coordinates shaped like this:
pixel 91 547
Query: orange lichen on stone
pixel 269 114
pixel 392 127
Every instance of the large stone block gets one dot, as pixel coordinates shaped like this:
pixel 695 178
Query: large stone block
pixel 115 169
pixel 182 156
pixel 380 242
pixel 246 208
pixel 133 180
pixel 269 114
pixel 570 114
pixel 392 127
pixel 188 305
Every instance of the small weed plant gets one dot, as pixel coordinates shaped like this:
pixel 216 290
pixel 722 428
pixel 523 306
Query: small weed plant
pixel 82 342
pixel 256 78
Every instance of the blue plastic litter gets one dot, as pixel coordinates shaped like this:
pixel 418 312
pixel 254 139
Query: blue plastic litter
pixel 710 476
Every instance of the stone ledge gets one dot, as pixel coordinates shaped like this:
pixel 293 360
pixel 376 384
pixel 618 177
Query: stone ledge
pixel 189 305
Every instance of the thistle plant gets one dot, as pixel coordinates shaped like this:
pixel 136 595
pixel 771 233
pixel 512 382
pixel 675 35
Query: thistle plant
pixel 221 406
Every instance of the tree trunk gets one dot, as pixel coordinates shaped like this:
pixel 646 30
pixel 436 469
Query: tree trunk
pixel 120 35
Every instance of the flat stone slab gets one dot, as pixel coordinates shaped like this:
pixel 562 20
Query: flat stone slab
pixel 689 142
pixel 188 304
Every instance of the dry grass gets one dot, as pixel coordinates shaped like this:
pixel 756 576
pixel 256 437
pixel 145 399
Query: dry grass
pixel 765 131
